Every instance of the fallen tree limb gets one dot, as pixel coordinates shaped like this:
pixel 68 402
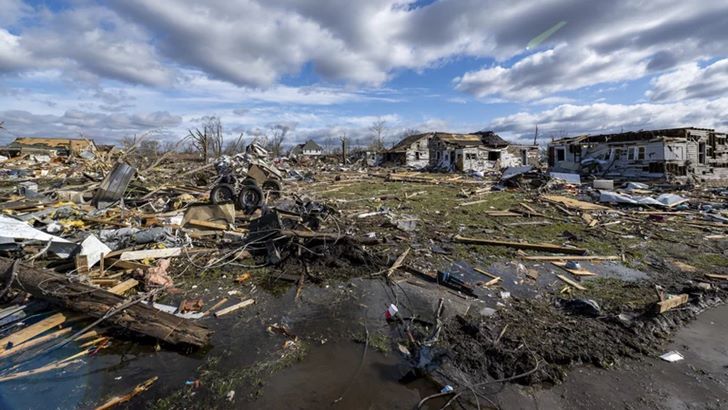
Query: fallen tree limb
pixel 96 302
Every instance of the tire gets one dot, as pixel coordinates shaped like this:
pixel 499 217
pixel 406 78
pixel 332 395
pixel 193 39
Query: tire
pixel 222 193
pixel 249 182
pixel 250 198
pixel 272 188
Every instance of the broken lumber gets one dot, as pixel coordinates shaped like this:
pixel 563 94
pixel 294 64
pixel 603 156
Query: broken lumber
pixel 150 254
pixel 48 285
pixel 31 331
pixel 716 276
pixel 671 302
pixel 573 203
pixel 140 388
pixel 573 258
pixel 397 263
pixel 546 247
pixel 575 272
pixel 570 282
pixel 233 308
pixel 124 286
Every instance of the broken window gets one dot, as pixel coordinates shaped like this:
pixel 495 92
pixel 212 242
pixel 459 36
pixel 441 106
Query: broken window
pixel 630 153
pixel 641 153
pixel 617 153
pixel 493 155
pixel 417 156
pixel 560 154
pixel 701 153
pixel 470 156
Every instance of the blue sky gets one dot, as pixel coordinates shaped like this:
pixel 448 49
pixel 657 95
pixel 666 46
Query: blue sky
pixel 324 68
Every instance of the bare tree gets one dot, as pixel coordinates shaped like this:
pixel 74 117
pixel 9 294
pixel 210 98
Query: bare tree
pixel 377 129
pixel 149 149
pixel 278 135
pixel 208 141
pixel 235 146
pixel 410 131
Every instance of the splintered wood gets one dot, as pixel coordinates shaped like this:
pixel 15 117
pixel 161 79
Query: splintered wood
pixel 573 203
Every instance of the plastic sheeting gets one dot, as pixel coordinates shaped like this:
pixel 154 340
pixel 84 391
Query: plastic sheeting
pixel 664 200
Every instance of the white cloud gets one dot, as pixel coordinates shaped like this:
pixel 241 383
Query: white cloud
pixel 573 120
pixel 610 42
pixel 691 81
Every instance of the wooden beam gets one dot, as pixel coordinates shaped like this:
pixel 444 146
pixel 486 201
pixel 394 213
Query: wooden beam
pixel 97 302
pixel 672 302
pixel 234 307
pixel 150 254
pixel 31 331
pixel 573 258
pixel 124 286
pixel 575 272
pixel 519 245
pixel 570 282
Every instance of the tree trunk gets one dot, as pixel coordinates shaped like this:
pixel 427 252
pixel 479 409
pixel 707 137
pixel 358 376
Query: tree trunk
pixel 95 302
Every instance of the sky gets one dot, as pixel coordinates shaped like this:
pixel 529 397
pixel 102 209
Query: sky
pixel 326 68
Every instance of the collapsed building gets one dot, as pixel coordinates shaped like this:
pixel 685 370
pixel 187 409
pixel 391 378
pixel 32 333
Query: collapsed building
pixel 480 151
pixel 411 151
pixel 49 146
pixel 678 153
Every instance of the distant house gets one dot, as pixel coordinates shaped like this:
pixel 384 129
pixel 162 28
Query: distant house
pixel 308 149
pixel 480 151
pixel 411 151
pixel 59 146
pixel 677 153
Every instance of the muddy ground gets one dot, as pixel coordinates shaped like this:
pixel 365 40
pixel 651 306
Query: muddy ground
pixel 311 350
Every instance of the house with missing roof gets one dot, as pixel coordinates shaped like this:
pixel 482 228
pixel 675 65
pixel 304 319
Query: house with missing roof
pixel 308 149
pixel 412 151
pixel 700 154
pixel 480 151
pixel 54 146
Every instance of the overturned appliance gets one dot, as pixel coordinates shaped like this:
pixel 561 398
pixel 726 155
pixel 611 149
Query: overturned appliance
pixel 246 180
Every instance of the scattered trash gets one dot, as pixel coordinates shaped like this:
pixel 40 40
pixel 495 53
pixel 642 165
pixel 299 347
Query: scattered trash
pixel 672 356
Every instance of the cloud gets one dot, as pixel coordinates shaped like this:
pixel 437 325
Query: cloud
pixel 103 127
pixel 690 81
pixel 573 120
pixel 88 43
pixel 613 42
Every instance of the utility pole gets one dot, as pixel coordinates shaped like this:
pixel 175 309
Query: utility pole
pixel 535 135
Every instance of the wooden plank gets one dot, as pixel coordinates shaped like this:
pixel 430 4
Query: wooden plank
pixel 575 272
pixel 34 342
pixel 570 282
pixel 234 307
pixel 502 213
pixel 150 254
pixel 124 286
pixel 116 400
pixel 208 224
pixel 546 247
pixel 488 274
pixel 575 258
pixel 574 203
pixel 716 276
pixel 31 331
pixel 398 262
pixel 672 302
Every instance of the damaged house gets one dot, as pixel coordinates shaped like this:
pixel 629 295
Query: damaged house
pixel 678 153
pixel 49 146
pixel 480 151
pixel 411 151
pixel 309 149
